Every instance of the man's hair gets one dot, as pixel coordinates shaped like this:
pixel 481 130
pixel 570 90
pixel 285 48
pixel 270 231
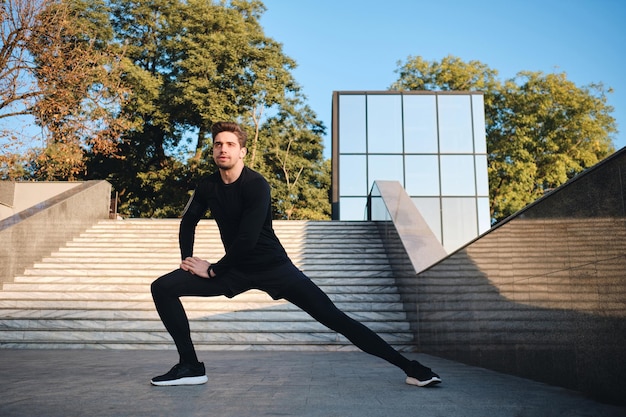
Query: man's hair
pixel 230 127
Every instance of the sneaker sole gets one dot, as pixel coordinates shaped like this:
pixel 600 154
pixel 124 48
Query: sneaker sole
pixel 414 381
pixel 190 380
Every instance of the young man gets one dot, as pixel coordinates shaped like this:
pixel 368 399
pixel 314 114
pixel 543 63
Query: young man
pixel 239 200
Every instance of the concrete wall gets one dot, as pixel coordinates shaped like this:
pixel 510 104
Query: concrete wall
pixel 35 232
pixel 18 196
pixel 543 295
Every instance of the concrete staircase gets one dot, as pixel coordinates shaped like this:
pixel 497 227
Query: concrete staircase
pixel 95 291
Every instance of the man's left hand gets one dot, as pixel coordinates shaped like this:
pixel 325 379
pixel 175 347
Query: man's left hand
pixel 196 266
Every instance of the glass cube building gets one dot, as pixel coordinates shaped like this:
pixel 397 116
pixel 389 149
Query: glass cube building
pixel 433 143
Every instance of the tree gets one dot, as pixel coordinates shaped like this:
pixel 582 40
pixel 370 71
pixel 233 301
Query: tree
pixel 545 132
pixel 123 90
pixel 57 68
pixel 196 63
pixel 148 180
pixel 448 75
pixel 228 68
pixel 541 129
pixel 292 162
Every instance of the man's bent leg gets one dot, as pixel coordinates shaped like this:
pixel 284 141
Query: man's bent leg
pixel 166 293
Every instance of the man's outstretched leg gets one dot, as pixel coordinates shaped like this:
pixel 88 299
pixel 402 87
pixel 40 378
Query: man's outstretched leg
pixel 310 298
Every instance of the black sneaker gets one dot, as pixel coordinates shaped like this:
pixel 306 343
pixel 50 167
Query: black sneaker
pixel 182 374
pixel 421 376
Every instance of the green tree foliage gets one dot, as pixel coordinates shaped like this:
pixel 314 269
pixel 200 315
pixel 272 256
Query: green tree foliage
pixel 541 129
pixel 194 63
pixel 145 177
pixel 546 132
pixel 289 154
pixel 449 74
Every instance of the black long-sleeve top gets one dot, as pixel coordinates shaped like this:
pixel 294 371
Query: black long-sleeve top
pixel 243 214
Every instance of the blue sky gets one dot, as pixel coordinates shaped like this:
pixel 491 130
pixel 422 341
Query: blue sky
pixel 356 44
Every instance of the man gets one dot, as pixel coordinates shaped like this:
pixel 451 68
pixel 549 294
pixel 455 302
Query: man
pixel 239 200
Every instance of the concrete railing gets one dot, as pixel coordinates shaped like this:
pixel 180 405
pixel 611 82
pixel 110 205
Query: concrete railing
pixel 36 231
pixel 390 204
pixel 541 295
pixel 19 196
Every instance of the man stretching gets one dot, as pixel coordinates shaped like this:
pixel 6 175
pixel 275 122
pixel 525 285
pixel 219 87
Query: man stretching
pixel 239 200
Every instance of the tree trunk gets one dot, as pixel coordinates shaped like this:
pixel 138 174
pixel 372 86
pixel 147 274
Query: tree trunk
pixel 200 144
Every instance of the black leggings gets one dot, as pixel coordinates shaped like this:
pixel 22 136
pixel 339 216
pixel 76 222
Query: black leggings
pixel 285 282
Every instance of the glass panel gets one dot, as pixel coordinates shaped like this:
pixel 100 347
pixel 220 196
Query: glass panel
pixel 379 211
pixel 478 112
pixel 430 210
pixel 420 123
pixel 459 216
pixel 353 208
pixel 352 123
pixel 385 167
pixel 375 191
pixel 384 123
pixel 352 175
pixel 455 124
pixel 484 215
pixel 422 175
pixel 457 175
pixel 482 180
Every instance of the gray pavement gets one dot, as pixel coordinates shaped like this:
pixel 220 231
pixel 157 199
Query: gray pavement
pixel 260 383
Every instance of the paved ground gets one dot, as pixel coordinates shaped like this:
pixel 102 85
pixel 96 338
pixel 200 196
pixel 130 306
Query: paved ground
pixel 52 383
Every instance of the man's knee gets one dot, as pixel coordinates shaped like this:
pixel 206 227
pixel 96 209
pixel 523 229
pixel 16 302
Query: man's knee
pixel 164 281
pixel 155 286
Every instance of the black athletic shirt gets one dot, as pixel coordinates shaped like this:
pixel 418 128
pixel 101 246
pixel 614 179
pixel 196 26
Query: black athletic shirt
pixel 243 214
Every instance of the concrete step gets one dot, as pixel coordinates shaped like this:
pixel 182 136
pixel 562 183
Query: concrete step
pixel 200 337
pixel 229 325
pixel 279 312
pixel 141 288
pixel 374 300
pixel 191 303
pixel 332 280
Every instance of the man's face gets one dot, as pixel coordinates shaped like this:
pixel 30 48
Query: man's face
pixel 226 150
